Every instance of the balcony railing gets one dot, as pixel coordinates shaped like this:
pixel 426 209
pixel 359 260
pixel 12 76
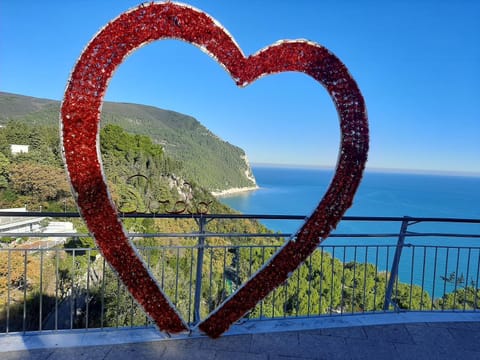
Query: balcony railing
pixel 51 281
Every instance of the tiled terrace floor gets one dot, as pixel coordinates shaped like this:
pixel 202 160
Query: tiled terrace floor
pixel 379 336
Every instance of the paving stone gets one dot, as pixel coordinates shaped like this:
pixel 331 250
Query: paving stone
pixel 352 332
pixel 135 351
pixel 468 355
pixel 390 333
pixel 172 353
pixel 467 339
pixel 229 343
pixel 276 343
pixel 95 352
pixel 420 351
pixel 370 349
pixel 459 325
pixel 455 340
pixel 434 337
pixel 27 355
pixel 283 357
pixel 323 346
pixel 190 344
pixel 238 355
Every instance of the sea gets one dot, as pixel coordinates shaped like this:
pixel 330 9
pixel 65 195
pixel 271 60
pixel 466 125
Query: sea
pixel 297 191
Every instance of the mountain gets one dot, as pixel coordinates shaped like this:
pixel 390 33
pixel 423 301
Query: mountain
pixel 213 163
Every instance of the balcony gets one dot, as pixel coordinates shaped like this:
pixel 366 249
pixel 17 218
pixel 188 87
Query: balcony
pixel 378 284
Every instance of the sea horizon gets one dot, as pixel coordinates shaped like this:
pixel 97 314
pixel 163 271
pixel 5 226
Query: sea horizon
pixel 461 173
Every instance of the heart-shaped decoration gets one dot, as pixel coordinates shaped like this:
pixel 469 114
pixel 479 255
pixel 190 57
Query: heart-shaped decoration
pixel 80 118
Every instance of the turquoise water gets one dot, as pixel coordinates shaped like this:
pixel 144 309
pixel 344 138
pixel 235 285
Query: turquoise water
pixel 295 191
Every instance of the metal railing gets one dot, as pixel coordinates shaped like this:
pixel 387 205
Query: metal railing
pixel 51 281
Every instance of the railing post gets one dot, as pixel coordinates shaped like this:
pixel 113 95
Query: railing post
pixel 202 222
pixel 396 262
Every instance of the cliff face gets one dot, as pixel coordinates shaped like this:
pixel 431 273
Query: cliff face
pixel 248 175
pixel 248 171
pixel 213 163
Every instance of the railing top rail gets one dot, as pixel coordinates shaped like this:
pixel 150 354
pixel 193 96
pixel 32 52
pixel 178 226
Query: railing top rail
pixel 240 235
pixel 243 216
pixel 223 246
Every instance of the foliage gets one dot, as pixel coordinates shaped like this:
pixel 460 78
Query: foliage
pixel 466 298
pixel 4 165
pixel 35 178
pixel 41 182
pixel 466 294
pixel 212 162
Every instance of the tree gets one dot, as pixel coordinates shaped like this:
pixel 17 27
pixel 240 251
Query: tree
pixel 4 164
pixel 4 145
pixel 17 132
pixel 41 182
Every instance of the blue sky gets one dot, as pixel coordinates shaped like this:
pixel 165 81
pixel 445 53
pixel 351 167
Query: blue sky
pixel 417 63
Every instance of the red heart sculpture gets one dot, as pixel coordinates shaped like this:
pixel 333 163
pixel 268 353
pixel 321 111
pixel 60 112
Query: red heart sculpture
pixel 80 117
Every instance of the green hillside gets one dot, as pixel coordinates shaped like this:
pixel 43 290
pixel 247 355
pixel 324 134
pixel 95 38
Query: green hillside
pixel 213 163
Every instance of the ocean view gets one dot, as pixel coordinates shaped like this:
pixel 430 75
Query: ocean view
pixel 296 191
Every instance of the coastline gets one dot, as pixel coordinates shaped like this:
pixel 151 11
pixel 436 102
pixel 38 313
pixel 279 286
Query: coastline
pixel 234 191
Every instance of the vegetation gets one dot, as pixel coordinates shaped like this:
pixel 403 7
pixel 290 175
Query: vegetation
pixel 212 162
pixel 465 296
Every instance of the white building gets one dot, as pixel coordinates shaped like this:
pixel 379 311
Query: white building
pixel 13 226
pixel 19 224
pixel 17 149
